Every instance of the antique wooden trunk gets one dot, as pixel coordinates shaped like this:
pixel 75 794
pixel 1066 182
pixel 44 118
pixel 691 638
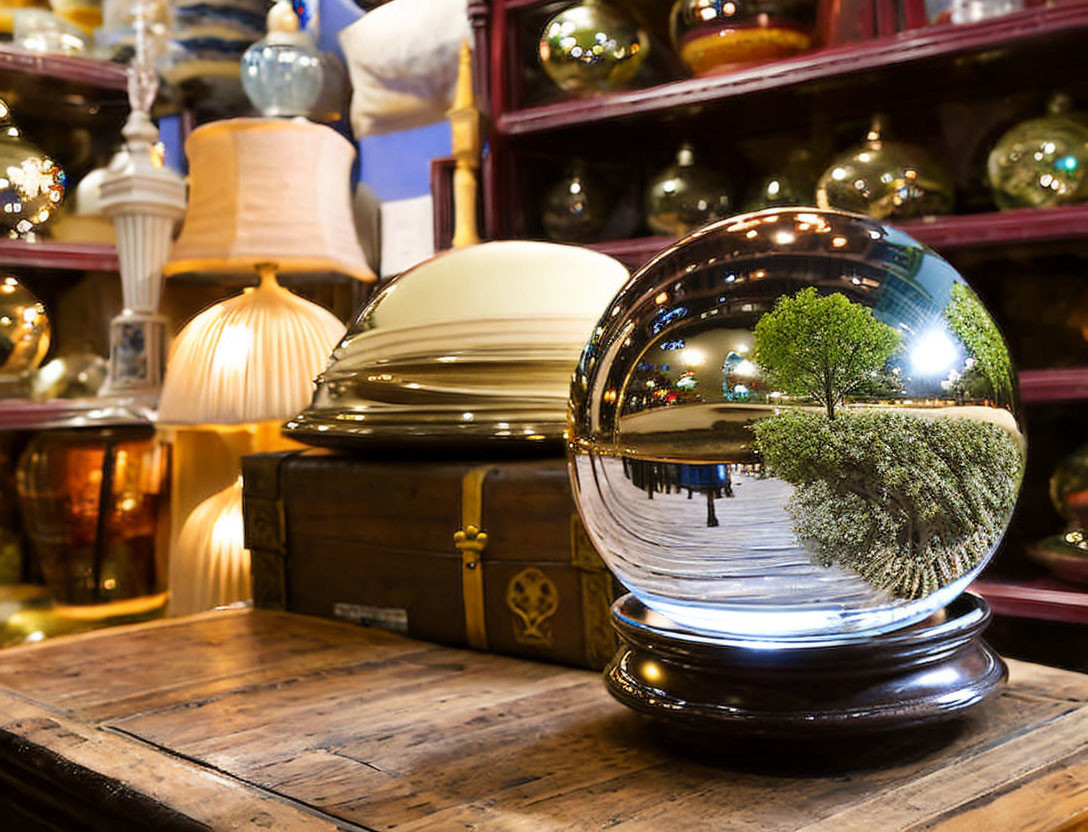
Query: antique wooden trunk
pixel 488 555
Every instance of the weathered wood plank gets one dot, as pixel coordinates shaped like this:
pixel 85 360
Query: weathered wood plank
pixel 349 726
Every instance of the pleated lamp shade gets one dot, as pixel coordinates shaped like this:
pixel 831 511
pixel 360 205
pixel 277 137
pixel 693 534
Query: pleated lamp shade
pixel 209 564
pixel 250 358
pixel 265 190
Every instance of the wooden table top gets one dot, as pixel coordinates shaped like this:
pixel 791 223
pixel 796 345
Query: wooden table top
pixel 262 720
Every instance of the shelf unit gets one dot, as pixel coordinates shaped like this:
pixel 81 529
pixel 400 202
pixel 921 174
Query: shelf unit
pixel 917 68
pixel 50 254
pixel 87 72
pixel 912 47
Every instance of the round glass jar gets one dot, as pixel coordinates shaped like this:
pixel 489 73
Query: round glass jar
pixel 685 195
pixel 796 425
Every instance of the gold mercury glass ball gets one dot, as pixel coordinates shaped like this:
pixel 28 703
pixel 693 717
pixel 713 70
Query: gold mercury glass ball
pixel 31 184
pixel 592 47
pixel 24 329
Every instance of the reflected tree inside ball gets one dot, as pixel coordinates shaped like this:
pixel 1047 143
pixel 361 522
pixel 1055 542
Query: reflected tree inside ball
pixel 796 424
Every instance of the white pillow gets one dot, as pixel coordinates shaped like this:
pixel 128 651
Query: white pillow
pixel 402 57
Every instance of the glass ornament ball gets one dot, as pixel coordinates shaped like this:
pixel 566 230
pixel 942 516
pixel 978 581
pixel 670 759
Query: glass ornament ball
pixel 1041 162
pixel 886 180
pixel 24 329
pixel 685 195
pixel 32 188
pixel 592 47
pixel 1069 487
pixel 796 426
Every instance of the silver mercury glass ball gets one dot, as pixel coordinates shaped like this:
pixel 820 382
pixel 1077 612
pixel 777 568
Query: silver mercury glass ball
pixel 798 426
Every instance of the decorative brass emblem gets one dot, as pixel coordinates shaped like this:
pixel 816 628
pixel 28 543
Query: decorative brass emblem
pixel 471 541
pixel 533 598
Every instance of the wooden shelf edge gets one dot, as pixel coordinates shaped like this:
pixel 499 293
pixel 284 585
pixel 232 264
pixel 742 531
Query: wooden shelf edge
pixel 905 47
pixel 50 254
pixel 90 72
pixel 1043 600
pixel 1062 384
pixel 942 233
pixel 30 414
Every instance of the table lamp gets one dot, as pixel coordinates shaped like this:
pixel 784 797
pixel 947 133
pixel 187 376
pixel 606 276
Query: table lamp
pixel 790 367
pixel 266 196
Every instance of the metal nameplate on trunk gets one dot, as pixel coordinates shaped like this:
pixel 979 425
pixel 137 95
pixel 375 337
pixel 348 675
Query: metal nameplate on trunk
pixel 393 619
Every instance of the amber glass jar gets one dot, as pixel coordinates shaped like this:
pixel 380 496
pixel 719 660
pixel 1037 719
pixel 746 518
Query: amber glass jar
pixel 90 499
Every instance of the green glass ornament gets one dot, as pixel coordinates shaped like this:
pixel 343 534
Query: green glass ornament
pixel 886 180
pixel 684 196
pixel 1041 162
pixel 592 47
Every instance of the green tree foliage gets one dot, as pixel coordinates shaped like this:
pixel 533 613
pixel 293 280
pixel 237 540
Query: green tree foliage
pixel 908 503
pixel 823 346
pixel 972 324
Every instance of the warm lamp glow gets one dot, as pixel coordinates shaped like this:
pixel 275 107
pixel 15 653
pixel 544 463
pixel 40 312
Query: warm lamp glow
pixel 250 358
pixel 209 566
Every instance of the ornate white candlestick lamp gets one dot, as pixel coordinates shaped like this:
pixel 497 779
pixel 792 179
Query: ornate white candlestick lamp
pixel 145 200
pixel 793 368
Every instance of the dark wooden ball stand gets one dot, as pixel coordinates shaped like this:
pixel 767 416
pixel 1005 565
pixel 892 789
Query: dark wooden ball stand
pixel 697 686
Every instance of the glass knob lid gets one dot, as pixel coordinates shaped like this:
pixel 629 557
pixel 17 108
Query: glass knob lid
pixel 796 425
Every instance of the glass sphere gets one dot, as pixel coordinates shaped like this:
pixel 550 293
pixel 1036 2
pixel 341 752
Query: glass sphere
pixel 592 47
pixel 24 329
pixel 796 425
pixel 32 188
pixel 886 180
pixel 719 35
pixel 684 196
pixel 1041 162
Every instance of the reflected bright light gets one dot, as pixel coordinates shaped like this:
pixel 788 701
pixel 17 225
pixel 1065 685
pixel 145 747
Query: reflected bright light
pixel 934 353
pixel 692 357
pixel 746 369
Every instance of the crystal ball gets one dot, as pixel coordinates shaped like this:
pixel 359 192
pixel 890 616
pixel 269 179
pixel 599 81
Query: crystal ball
pixel 24 329
pixel 796 425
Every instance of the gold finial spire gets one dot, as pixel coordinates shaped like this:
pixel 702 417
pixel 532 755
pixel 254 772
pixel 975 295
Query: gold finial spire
pixel 465 140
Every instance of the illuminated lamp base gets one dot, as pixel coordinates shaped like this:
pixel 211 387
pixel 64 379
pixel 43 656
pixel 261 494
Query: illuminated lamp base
pixel 701 688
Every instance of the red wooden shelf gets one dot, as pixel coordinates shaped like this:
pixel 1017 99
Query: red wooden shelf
pixel 1064 384
pixel 28 414
pixel 911 46
pixel 947 233
pixel 1042 599
pixel 49 254
pixel 85 71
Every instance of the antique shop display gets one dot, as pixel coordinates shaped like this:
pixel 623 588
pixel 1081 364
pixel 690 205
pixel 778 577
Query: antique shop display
pixel 81 220
pixel 886 180
pixel 764 452
pixel 75 375
pixel 685 195
pixel 282 73
pixel 488 364
pixel 1066 553
pixel 440 549
pixel 145 199
pixel 90 501
pixel 32 187
pixel 721 35
pixel 24 336
pixel 592 47
pixel 1041 162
